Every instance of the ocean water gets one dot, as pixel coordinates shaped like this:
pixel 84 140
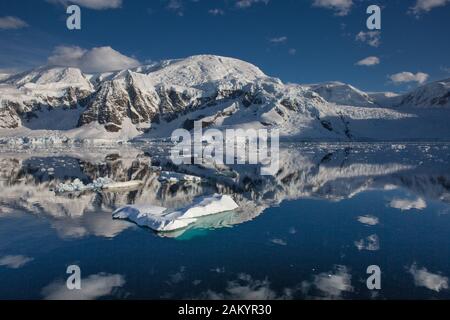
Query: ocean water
pixel 309 232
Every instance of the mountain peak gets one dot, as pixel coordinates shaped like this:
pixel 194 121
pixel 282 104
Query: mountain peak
pixel 198 70
pixel 431 95
pixel 51 77
pixel 155 99
pixel 343 94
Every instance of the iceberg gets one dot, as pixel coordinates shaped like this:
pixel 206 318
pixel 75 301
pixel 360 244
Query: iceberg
pixel 165 220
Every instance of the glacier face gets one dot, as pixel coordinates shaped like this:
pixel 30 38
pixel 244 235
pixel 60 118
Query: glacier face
pixel 151 101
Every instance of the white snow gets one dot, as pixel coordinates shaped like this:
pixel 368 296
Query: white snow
pixel 165 220
pixel 206 72
pixel 344 94
pixel 51 79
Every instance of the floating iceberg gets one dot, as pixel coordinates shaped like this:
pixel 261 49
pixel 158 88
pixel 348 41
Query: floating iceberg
pixel 165 220
pixel 97 185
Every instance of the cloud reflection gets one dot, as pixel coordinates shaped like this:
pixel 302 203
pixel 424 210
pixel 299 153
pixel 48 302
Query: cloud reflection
pixel 247 288
pixel 329 285
pixel 368 220
pixel 371 243
pixel 424 278
pixel 93 287
pixel 408 204
pixel 14 261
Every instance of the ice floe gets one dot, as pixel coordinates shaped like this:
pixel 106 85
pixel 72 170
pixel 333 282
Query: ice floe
pixel 165 220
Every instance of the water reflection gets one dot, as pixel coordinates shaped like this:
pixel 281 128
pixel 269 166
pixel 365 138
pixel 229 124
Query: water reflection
pixel 94 287
pixel 330 211
pixel 331 172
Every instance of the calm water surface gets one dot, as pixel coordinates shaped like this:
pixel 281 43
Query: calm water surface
pixel 309 232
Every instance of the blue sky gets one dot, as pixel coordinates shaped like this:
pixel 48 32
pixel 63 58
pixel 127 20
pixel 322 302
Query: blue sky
pixel 301 41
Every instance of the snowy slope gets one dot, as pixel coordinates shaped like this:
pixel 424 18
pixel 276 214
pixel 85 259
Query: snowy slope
pixel 4 76
pixel 385 99
pixel 25 95
pixel 152 101
pixel 432 95
pixel 48 78
pixel 343 94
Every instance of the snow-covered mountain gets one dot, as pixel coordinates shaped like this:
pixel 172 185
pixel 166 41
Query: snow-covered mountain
pixel 343 94
pixel 433 95
pixel 24 96
pixel 151 101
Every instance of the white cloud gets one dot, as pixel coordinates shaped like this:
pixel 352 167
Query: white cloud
pixel 216 12
pixel 369 61
pixel 92 4
pixel 92 287
pixel 368 220
pixel 341 7
pixel 422 6
pixel 101 59
pixel 372 38
pixel 278 40
pixel 331 285
pixel 371 243
pixel 424 278
pixel 249 3
pixel 292 51
pixel 408 204
pixel 12 23
pixel 14 262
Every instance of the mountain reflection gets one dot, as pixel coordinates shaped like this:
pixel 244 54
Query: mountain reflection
pixel 330 172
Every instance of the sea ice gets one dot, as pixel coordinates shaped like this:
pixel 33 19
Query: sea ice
pixel 165 220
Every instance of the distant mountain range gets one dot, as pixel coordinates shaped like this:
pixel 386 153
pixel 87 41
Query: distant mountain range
pixel 53 104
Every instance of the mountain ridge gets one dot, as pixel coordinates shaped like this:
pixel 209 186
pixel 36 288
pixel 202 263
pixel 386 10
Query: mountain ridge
pixel 151 100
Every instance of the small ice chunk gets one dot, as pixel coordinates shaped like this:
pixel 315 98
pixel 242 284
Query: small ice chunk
pixel 163 219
